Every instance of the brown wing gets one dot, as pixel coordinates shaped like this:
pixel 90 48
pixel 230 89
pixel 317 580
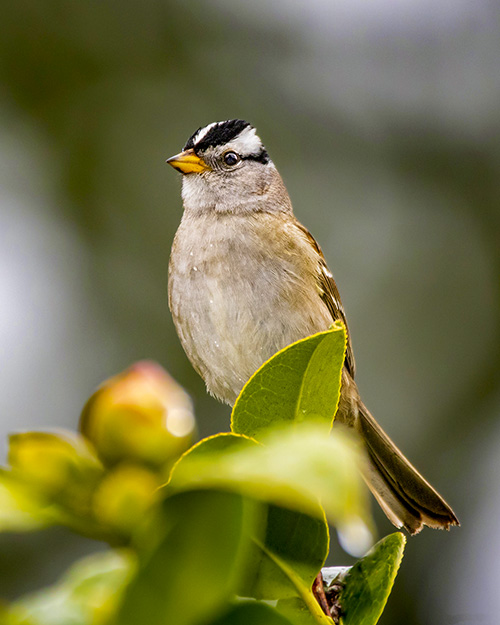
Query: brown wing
pixel 329 293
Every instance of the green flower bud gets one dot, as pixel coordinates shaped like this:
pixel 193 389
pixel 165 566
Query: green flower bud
pixel 124 497
pixel 60 466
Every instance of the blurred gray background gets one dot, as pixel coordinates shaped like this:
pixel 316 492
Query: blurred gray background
pixel 383 119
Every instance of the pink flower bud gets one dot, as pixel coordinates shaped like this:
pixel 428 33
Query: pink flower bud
pixel 140 415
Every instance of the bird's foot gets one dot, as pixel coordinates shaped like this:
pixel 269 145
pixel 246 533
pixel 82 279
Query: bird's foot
pixel 328 597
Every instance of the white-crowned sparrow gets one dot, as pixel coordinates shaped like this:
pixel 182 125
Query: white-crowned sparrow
pixel 246 279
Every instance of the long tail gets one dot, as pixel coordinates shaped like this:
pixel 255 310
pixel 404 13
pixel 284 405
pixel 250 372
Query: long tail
pixel 404 495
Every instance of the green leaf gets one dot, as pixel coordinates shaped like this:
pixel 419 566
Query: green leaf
pixel 297 468
pixel 293 471
pixel 303 591
pixel 196 566
pixel 296 610
pixel 301 541
pixel 251 613
pixel 88 594
pixel 367 586
pixel 299 383
pixel 369 582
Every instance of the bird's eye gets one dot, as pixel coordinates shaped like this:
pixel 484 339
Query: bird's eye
pixel 231 158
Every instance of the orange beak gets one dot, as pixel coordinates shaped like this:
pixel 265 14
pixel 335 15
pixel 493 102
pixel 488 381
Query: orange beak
pixel 188 162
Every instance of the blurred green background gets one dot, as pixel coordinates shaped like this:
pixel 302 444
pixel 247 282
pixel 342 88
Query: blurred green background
pixel 383 119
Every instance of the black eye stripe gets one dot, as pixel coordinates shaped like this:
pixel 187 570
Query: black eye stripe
pixel 261 157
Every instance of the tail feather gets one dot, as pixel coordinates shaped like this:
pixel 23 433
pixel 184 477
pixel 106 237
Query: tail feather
pixel 407 498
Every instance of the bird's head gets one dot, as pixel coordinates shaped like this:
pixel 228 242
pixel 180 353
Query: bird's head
pixel 226 168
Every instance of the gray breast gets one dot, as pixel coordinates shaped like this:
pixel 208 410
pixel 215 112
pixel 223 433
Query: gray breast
pixel 236 300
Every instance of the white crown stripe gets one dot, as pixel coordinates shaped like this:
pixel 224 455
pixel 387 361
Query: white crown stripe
pixel 247 142
pixel 203 132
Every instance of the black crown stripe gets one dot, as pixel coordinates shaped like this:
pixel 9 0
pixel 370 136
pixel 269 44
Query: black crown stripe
pixel 219 134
